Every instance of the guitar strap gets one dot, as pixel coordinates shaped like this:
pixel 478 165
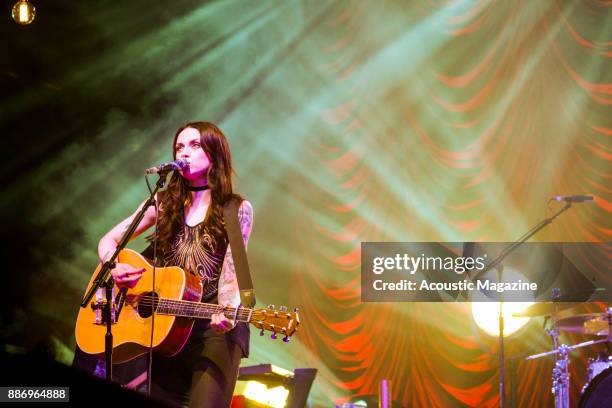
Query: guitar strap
pixel 234 234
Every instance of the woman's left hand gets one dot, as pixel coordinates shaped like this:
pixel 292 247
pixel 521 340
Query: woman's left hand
pixel 221 324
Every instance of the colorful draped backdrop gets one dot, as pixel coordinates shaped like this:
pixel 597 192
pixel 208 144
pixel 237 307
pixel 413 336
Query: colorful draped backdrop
pixel 350 121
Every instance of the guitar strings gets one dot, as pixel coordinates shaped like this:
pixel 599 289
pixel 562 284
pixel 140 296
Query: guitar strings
pixel 196 309
pixel 185 303
pixel 189 306
pixel 162 306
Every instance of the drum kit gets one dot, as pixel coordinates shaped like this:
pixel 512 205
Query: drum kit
pixel 597 390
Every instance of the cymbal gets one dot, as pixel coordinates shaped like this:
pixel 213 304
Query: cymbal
pixel 595 324
pixel 544 309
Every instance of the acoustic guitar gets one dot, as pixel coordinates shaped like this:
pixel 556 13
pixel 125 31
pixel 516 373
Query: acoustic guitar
pixel 175 302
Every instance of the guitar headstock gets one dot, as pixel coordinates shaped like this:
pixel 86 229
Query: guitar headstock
pixel 276 321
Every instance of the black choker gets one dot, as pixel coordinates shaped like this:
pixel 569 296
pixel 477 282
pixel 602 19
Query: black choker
pixel 201 188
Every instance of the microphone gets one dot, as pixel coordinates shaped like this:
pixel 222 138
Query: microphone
pixel 178 164
pixel 574 198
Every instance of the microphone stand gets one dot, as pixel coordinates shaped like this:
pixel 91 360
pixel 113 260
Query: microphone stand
pixel 497 261
pixel 104 279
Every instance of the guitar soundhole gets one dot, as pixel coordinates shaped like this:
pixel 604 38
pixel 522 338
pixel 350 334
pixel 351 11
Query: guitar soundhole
pixel 147 304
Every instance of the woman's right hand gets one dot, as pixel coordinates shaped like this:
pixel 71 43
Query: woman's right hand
pixel 126 276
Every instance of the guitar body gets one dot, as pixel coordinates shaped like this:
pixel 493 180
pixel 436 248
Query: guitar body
pixel 132 330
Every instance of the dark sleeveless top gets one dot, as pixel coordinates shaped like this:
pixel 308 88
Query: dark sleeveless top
pixel 198 251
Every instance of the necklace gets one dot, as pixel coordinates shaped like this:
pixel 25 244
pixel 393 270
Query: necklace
pixel 200 188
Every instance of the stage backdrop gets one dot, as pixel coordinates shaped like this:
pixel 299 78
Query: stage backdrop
pixel 349 121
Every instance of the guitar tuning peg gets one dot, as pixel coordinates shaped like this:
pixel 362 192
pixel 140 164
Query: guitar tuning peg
pixel 273 336
pixel 286 339
pixel 271 307
pixel 296 310
pixel 283 308
pixel 261 333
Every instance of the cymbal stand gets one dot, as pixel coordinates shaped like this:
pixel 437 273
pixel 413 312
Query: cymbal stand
pixel 560 373
pixel 560 377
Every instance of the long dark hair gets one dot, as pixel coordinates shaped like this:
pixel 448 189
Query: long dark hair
pixel 176 197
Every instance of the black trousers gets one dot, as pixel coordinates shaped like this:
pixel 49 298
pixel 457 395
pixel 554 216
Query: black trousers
pixel 203 374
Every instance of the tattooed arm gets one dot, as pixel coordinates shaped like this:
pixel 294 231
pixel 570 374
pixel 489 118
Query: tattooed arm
pixel 228 292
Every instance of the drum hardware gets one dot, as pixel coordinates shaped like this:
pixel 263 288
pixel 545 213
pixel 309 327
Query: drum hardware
pixel 597 392
pixel 593 324
pixel 560 377
pixel 595 366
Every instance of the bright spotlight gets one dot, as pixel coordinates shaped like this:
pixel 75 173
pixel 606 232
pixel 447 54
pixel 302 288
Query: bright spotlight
pixel 486 315
pixel 23 12
pixel 271 397
pixel 486 312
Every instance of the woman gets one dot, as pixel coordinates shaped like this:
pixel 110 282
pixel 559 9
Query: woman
pixel 191 234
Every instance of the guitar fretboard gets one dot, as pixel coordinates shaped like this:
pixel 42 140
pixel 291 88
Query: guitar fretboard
pixel 199 310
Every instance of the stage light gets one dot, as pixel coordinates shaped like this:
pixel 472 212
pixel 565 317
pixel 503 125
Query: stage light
pixel 486 311
pixel 486 315
pixel 23 12
pixel 272 397
pixel 272 386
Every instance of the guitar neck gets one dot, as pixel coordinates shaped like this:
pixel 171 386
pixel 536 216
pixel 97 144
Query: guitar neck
pixel 199 310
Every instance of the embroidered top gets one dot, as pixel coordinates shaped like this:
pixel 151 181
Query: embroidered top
pixel 198 251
